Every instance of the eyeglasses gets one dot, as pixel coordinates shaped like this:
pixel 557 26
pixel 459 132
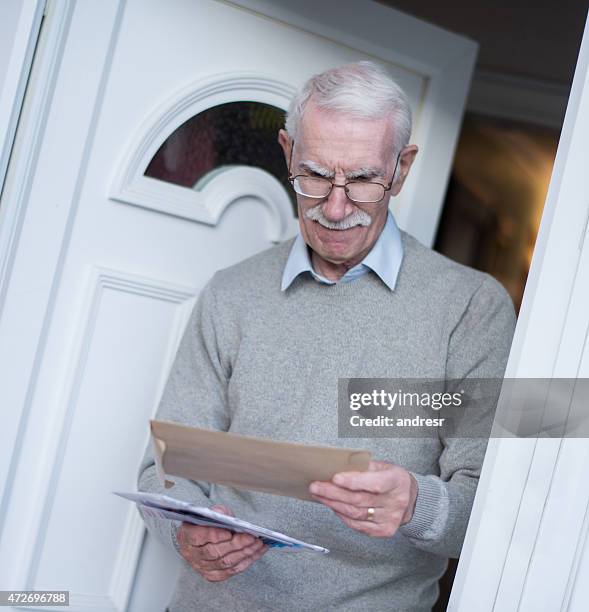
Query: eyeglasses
pixel 318 187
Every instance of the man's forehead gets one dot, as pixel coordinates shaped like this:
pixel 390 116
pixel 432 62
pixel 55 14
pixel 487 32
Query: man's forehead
pixel 325 136
pixel 343 152
pixel 343 128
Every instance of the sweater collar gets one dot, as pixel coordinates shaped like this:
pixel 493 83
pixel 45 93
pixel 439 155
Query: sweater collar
pixel 384 259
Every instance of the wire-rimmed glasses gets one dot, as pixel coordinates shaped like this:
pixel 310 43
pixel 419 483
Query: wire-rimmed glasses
pixel 319 187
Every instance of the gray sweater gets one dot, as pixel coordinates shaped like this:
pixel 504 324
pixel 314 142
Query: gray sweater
pixel 258 361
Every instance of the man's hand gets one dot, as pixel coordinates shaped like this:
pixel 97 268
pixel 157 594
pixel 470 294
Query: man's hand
pixel 217 554
pixel 375 502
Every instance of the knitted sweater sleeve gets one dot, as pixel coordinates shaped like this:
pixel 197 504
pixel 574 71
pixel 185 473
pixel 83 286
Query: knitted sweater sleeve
pixel 195 395
pixel 478 348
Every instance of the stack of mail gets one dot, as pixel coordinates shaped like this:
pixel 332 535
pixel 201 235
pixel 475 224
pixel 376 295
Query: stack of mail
pixel 162 506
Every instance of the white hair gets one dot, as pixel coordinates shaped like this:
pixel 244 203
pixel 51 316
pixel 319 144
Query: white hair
pixel 362 89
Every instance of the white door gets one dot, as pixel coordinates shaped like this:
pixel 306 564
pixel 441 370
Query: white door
pixel 145 161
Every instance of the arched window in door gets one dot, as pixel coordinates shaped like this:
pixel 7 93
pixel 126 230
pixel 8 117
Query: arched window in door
pixel 231 134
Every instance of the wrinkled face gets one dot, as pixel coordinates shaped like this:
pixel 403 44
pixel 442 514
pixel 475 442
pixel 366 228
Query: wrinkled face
pixel 342 147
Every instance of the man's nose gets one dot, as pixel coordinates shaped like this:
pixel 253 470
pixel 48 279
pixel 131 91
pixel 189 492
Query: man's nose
pixel 337 206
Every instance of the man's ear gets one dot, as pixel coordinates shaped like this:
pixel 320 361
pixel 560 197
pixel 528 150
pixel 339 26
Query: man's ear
pixel 405 161
pixel 285 143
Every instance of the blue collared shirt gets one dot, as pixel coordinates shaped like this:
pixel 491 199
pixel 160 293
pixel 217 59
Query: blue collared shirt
pixel 384 259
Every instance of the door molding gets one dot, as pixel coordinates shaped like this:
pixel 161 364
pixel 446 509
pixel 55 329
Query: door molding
pixel 99 281
pixel 518 99
pixel 131 186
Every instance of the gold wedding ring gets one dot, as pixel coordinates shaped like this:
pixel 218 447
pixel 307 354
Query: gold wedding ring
pixel 370 514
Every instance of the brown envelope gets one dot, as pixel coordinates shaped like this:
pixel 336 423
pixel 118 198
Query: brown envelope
pixel 249 463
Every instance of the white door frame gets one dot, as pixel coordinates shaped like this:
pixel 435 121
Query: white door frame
pixel 13 84
pixel 530 494
pixel 16 192
pixel 13 79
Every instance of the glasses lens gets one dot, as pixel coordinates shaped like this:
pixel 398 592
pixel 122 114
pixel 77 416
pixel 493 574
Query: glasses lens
pixel 311 186
pixel 365 192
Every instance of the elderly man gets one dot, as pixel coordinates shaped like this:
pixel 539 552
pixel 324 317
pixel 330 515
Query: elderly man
pixel 351 296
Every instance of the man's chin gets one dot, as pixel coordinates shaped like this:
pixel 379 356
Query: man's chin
pixel 336 252
pixel 336 246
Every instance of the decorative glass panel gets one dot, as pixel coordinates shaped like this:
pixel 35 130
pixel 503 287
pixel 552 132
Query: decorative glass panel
pixel 236 133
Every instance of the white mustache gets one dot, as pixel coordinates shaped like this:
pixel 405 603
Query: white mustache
pixel 358 217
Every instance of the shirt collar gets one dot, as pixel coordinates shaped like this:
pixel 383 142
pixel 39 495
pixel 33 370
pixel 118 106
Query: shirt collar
pixel 384 259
